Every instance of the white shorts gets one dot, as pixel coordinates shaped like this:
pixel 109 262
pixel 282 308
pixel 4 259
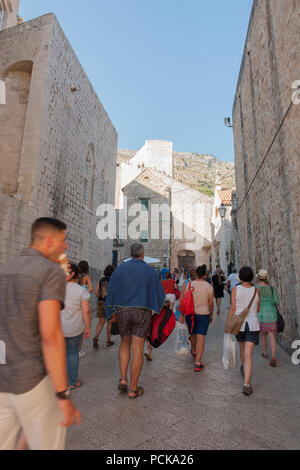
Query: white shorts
pixel 171 297
pixel 36 413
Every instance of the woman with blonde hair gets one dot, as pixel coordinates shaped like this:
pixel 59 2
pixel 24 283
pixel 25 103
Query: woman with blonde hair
pixel 267 315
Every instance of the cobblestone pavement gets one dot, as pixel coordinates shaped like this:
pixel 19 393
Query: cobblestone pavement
pixel 185 410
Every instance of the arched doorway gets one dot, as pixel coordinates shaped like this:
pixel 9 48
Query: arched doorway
pixel 186 258
pixel 17 80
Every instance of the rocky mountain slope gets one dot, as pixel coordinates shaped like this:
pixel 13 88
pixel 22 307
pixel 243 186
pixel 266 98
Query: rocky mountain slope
pixel 196 170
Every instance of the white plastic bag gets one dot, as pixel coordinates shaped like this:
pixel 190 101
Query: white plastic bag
pixel 182 341
pixel 229 359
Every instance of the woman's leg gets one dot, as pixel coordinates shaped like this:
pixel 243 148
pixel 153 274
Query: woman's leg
pixel 73 346
pixel 218 303
pixel 248 362
pixel 272 337
pixel 242 353
pixel 200 344
pixel 264 342
pixel 99 327
pixel 193 340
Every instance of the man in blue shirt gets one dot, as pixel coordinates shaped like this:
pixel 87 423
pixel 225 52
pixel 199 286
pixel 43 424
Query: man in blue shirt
pixel 163 272
pixel 134 294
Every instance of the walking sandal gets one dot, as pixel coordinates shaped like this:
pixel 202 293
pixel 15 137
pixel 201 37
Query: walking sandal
pixel 122 387
pixel 136 393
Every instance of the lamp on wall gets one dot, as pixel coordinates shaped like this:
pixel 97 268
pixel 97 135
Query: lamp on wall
pixel 222 211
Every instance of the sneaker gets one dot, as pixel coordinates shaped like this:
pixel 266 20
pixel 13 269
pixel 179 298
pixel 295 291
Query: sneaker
pixel 247 390
pixel 95 343
pixel 82 353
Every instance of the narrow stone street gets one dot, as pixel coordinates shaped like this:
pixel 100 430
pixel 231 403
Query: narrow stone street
pixel 183 410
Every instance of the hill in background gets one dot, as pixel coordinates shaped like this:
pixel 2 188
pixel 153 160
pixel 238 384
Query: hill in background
pixel 198 171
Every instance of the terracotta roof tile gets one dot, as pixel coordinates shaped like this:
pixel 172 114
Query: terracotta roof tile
pixel 226 196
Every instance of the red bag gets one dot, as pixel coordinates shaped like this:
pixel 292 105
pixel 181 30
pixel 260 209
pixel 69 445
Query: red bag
pixel 162 327
pixel 187 302
pixel 187 305
pixel 177 294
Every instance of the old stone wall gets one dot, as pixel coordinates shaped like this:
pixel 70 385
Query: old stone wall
pixel 189 227
pixel 267 143
pixel 66 163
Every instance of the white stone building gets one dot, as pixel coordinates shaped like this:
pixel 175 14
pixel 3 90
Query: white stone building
pixel 9 13
pixel 221 229
pixel 147 177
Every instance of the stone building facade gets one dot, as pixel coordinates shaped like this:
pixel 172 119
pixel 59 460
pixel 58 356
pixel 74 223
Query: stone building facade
pixel 58 146
pixel 9 13
pixel 266 117
pixel 221 230
pixel 146 177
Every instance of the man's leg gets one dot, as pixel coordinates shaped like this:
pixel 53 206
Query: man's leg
pixel 124 357
pixel 40 416
pixel 137 347
pixel 9 423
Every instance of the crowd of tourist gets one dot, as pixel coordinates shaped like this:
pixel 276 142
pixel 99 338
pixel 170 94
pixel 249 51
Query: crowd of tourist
pixel 45 315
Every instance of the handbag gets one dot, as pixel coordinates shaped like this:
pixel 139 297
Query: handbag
pixel 280 320
pixel 235 322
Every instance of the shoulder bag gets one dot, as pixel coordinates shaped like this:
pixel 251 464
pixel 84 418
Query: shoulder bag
pixel 235 322
pixel 280 320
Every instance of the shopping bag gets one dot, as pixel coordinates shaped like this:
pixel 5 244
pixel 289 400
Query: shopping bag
pixel 182 341
pixel 229 359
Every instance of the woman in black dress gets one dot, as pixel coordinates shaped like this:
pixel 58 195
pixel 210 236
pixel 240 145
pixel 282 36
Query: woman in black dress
pixel 218 284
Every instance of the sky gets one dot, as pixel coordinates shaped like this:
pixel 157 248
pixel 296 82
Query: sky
pixel 163 69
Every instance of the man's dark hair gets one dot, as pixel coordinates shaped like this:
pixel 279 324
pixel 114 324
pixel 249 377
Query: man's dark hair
pixel 84 267
pixel 45 223
pixel 74 269
pixel 201 271
pixel 109 270
pixel 246 274
pixel 234 270
pixel 168 275
pixel 136 250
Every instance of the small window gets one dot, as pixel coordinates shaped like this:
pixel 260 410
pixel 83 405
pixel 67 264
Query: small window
pixel 145 204
pixel 144 236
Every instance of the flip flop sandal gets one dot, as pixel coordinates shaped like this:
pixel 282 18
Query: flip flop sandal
pixel 110 343
pixel 122 387
pixel 266 356
pixel 79 384
pixel 137 393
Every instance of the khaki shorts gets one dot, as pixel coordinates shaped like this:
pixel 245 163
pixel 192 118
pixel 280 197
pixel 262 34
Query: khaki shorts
pixel 134 321
pixel 37 413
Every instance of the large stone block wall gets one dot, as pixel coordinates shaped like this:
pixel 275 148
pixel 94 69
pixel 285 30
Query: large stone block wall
pixel 267 153
pixel 65 125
